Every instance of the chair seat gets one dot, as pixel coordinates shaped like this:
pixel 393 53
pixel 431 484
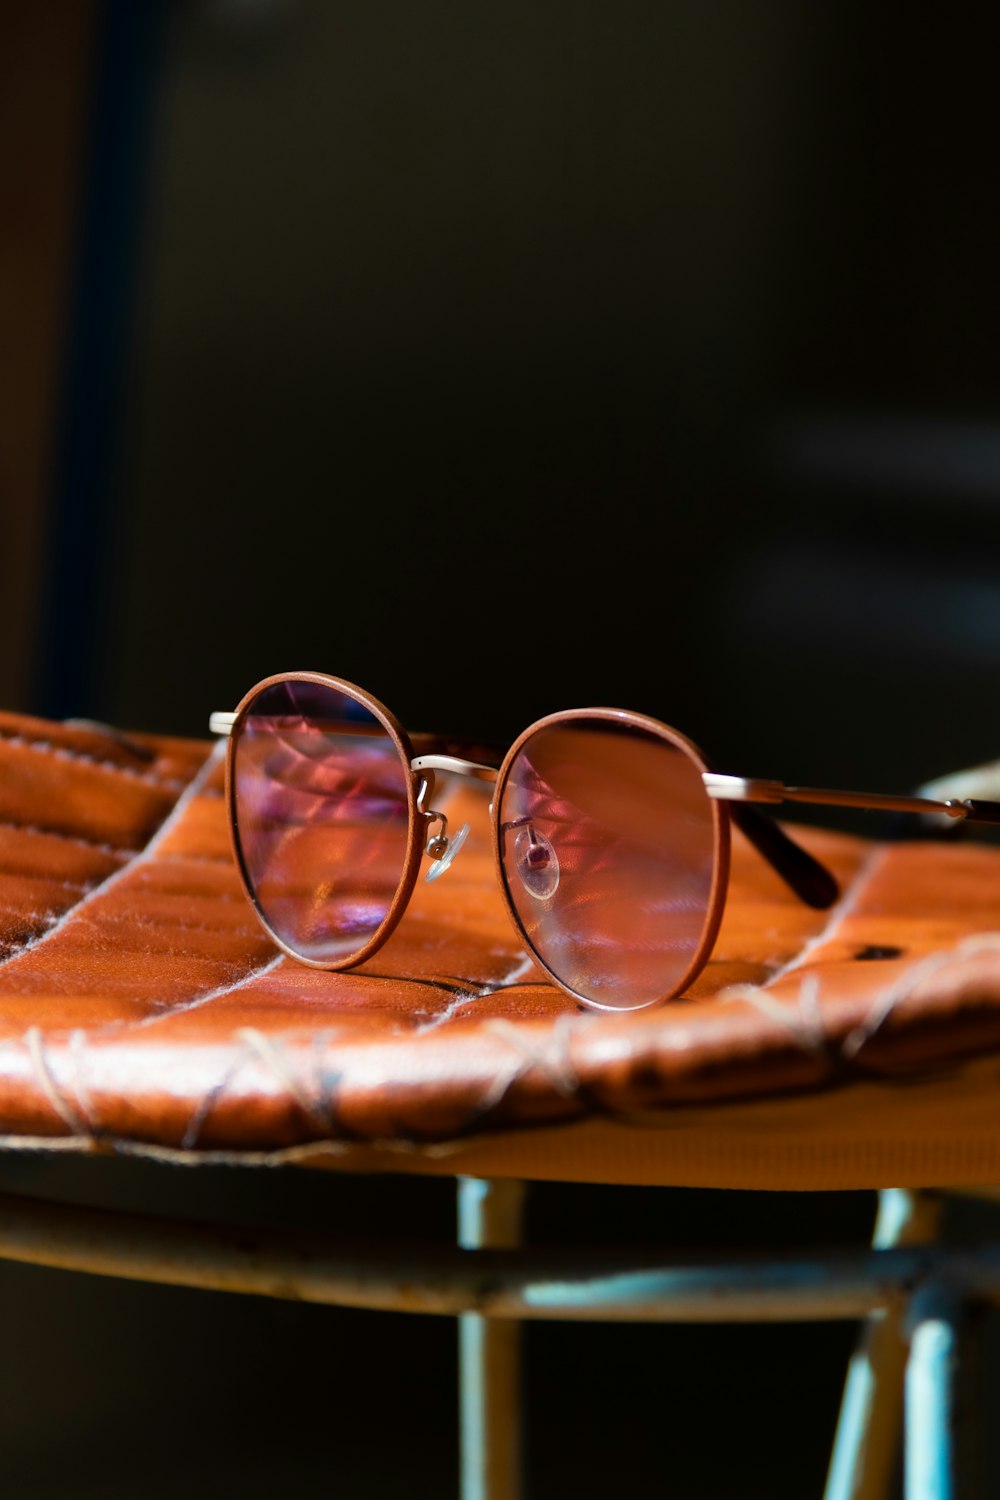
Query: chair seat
pixel 143 1009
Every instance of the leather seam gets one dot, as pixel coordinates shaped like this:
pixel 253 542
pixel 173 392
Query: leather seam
pixel 843 909
pixel 176 924
pixel 36 830
pixel 190 793
pixel 80 757
pixel 195 1002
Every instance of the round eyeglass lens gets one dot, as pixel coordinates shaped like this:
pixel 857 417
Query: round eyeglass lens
pixel 608 852
pixel 322 817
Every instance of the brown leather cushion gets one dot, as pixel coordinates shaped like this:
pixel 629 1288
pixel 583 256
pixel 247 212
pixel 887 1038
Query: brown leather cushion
pixel 143 1009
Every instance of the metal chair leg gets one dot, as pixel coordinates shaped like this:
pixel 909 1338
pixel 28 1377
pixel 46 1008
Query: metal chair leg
pixel 931 1459
pixel 489 1217
pixel 867 1441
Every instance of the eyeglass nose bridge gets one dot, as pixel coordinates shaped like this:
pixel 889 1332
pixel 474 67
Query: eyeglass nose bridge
pixel 425 764
pixel 437 842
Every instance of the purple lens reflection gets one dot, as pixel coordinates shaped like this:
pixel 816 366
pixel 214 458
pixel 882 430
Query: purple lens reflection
pixel 608 851
pixel 322 817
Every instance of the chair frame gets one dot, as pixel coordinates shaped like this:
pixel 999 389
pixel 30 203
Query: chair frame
pixel 912 1294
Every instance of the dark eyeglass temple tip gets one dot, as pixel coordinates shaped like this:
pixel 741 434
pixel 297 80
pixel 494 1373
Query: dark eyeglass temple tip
pixel 982 812
pixel 801 872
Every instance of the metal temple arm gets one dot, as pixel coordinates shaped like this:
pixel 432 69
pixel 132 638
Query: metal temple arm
pixel 742 789
pixel 809 879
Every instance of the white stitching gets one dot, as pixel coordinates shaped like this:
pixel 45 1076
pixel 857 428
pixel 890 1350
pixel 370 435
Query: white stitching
pixel 57 1097
pixel 189 794
pixel 45 747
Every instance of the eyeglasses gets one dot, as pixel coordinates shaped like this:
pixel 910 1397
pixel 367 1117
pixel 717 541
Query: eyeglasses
pixel 611 834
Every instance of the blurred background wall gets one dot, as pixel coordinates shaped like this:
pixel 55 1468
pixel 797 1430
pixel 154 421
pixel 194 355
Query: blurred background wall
pixel 500 359
pixel 509 360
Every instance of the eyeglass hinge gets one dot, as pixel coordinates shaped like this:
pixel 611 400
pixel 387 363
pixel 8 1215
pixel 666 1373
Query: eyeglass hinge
pixel 742 788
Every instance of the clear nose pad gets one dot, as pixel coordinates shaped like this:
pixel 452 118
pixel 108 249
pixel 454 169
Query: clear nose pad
pixel 443 849
pixel 536 863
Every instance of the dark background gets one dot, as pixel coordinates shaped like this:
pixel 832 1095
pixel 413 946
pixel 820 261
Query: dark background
pixel 510 359
pixel 500 359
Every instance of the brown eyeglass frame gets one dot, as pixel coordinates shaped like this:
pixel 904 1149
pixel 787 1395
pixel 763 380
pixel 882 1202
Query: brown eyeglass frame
pixel 720 844
pixel 732 799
